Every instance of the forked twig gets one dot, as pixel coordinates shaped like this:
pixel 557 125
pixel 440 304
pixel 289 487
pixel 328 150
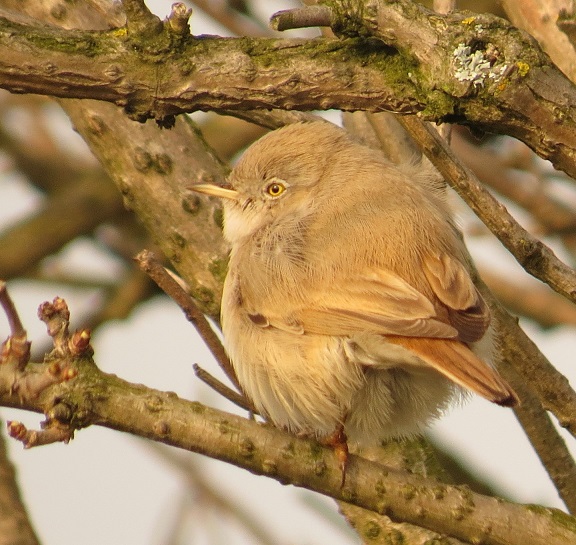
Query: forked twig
pixel 151 266
pixel 224 390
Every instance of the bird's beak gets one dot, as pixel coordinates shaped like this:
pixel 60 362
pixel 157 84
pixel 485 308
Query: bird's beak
pixel 216 191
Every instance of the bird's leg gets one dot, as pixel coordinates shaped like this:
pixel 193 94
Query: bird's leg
pixel 339 442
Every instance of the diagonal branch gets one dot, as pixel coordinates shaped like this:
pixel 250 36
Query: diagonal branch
pixel 536 258
pixel 151 266
pixel 15 525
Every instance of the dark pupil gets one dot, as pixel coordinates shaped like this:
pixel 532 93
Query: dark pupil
pixel 274 188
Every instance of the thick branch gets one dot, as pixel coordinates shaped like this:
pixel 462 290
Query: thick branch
pixel 97 398
pixel 206 73
pixel 506 84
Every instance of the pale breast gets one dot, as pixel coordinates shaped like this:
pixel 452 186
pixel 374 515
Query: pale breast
pixel 303 383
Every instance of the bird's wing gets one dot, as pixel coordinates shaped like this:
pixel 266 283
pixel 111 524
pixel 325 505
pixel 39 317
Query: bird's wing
pixel 376 300
pixel 452 285
pixel 381 302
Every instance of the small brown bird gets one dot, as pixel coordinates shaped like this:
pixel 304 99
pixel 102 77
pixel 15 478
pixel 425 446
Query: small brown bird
pixel 349 304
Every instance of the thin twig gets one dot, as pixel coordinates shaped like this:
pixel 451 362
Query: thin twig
pixel 536 258
pixel 16 327
pixel 178 19
pixel 15 350
pixel 304 17
pixel 234 21
pixel 148 263
pixel 223 390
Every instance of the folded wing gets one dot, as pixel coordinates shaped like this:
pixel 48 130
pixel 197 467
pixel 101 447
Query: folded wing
pixel 436 329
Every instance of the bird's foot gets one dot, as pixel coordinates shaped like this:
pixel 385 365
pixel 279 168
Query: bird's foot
pixel 339 442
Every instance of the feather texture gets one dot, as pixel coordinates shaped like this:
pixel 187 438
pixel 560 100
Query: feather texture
pixel 349 298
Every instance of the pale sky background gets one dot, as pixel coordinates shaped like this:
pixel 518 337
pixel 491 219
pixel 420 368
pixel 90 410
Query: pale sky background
pixel 108 488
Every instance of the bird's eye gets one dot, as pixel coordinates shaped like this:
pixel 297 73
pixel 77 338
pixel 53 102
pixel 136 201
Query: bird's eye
pixel 275 189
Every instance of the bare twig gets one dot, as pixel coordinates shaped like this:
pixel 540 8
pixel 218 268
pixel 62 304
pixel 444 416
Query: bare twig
pixel 178 18
pixel 16 527
pixel 234 21
pixel 14 322
pixel 158 273
pixel 223 390
pixel 536 258
pixel 15 352
pixel 55 433
pixel 27 383
pixel 304 17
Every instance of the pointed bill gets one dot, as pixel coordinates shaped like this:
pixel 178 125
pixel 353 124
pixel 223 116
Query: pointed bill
pixel 215 191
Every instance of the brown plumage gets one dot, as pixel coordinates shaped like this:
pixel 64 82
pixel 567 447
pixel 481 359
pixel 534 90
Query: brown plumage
pixel 349 298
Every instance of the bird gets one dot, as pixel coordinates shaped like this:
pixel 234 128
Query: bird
pixel 349 309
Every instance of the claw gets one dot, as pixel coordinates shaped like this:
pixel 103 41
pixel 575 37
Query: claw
pixel 339 442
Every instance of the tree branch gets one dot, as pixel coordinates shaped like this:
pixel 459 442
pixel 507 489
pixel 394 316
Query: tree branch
pixel 94 397
pixel 534 256
pixel 513 89
pixel 15 525
pixel 150 265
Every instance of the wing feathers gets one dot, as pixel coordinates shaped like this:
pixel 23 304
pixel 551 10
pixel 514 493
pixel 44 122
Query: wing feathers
pixel 343 321
pixel 378 300
pixel 452 284
pixel 457 362
pixel 450 281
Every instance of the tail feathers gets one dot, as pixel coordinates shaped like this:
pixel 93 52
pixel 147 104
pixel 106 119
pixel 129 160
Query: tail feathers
pixel 458 363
